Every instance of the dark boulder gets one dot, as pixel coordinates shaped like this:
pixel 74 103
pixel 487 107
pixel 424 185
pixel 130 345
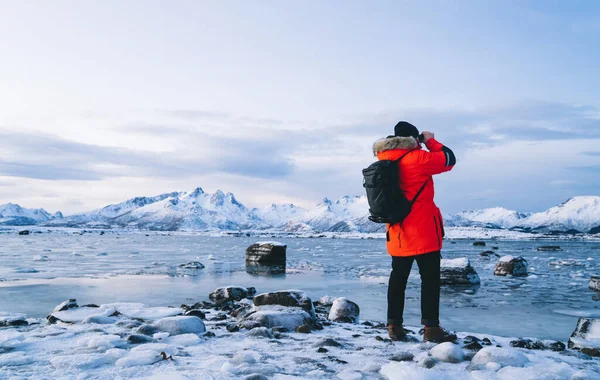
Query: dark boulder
pixel 458 272
pixel 24 232
pixel 509 265
pixel 479 244
pixel 267 253
pixel 289 298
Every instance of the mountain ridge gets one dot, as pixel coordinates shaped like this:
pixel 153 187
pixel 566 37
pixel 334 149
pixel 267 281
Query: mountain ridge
pixel 198 210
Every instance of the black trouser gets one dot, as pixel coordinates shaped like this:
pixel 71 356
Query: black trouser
pixel 429 269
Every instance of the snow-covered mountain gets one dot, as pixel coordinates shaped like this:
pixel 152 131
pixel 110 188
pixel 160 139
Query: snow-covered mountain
pixel 197 210
pixel 15 215
pixel 578 213
pixel 496 217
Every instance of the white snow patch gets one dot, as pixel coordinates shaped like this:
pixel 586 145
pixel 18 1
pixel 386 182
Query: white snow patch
pixel 448 352
pixel 503 356
pixel 461 262
pixel 506 259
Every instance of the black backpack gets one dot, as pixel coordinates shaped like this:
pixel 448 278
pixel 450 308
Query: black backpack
pixel 387 202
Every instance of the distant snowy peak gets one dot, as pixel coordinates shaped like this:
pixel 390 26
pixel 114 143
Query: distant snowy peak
pixel 280 215
pixel 579 213
pixel 497 216
pixel 13 214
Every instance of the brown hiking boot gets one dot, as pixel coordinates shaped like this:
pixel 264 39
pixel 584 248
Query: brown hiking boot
pixel 437 334
pixel 396 332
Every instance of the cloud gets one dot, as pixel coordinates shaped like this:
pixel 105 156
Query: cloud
pixel 50 157
pixel 507 156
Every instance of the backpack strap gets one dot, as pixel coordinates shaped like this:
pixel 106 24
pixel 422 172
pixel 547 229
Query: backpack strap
pixel 419 192
pixel 422 187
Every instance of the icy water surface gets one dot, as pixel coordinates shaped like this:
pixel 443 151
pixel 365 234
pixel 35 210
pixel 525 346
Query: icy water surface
pixel 41 270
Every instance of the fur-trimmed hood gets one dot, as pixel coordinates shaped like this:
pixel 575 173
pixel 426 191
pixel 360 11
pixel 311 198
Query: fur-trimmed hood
pixel 394 142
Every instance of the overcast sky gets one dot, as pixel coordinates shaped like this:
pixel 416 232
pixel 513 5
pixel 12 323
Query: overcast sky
pixel 280 101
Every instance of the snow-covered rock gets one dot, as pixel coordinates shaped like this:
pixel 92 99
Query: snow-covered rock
pixel 448 352
pixel 272 316
pixel 12 319
pixel 458 272
pixel 267 253
pixel 288 309
pixel 504 357
pixel 510 265
pixel 66 305
pixel 288 298
pixel 586 334
pixel 343 310
pixel 594 283
pixel 228 294
pixel 180 325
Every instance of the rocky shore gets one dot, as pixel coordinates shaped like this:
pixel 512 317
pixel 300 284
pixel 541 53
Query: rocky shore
pixel 243 334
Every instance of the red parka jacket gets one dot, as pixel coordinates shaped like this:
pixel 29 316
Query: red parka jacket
pixel 423 229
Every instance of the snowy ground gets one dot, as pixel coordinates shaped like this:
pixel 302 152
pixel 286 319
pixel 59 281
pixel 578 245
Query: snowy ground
pixel 353 351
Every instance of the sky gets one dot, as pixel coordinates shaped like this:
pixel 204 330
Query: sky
pixel 281 101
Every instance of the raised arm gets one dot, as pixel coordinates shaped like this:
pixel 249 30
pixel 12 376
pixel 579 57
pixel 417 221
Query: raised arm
pixel 440 159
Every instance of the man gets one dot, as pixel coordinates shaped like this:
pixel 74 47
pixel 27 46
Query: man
pixel 419 237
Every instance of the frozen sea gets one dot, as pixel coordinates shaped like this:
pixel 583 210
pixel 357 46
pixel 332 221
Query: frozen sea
pixel 40 270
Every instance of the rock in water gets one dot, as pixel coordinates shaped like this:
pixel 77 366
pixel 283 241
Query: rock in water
pixel 479 244
pixel 70 304
pixel 549 248
pixel 24 232
pixel 504 357
pixel 267 253
pixel 448 352
pixel 458 272
pixel 595 283
pixel 510 265
pixel 192 265
pixel 343 310
pixel 228 294
pixel 488 254
pixel 180 325
pixel 586 334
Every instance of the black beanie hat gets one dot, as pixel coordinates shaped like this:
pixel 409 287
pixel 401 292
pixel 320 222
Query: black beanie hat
pixel 405 129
